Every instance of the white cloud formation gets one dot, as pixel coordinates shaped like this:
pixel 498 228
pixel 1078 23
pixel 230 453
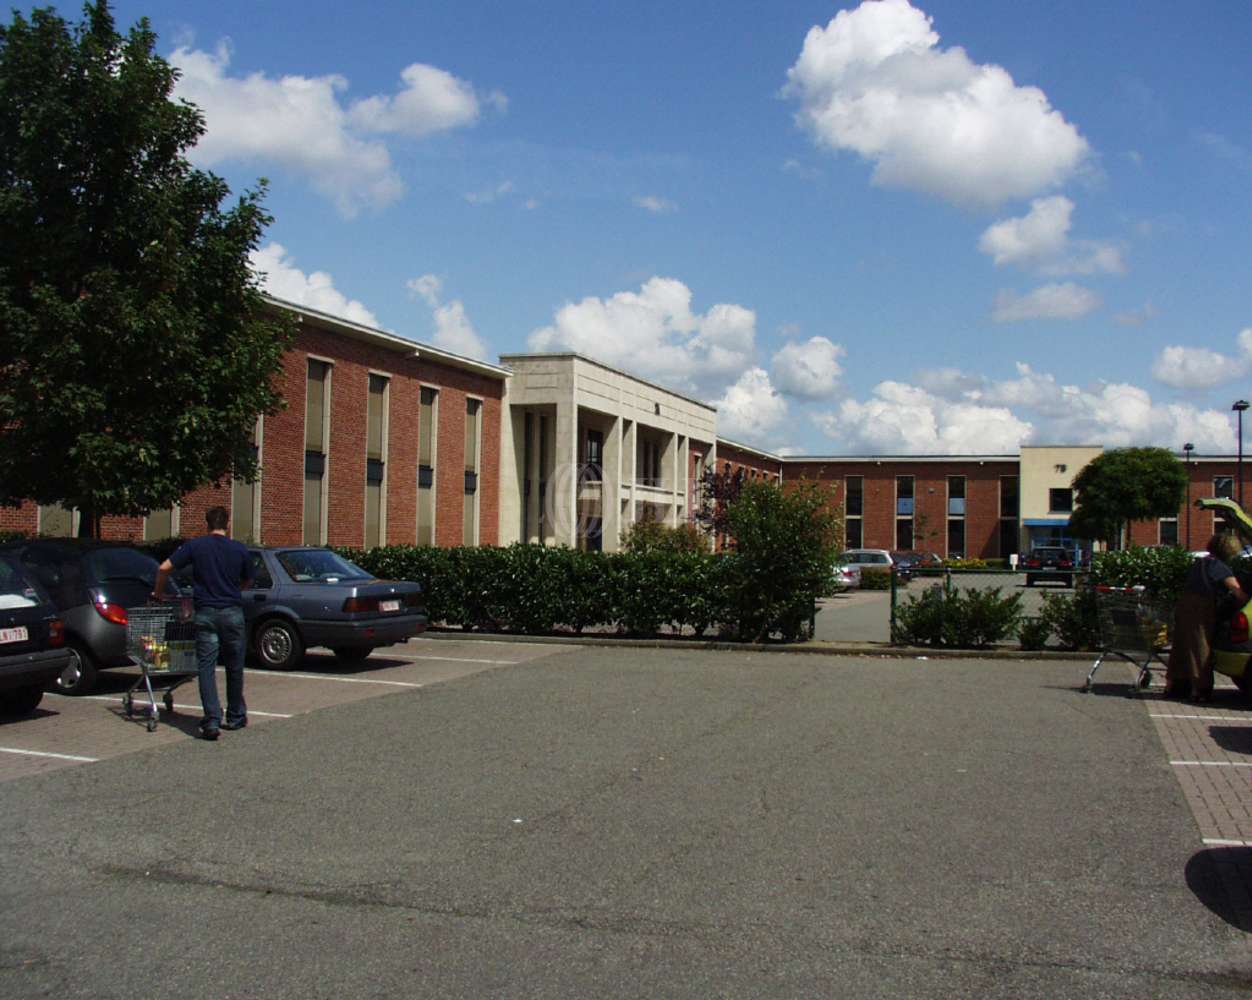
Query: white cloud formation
pixel 810 370
pixel 453 330
pixel 302 123
pixel 1053 301
pixel 488 195
pixel 750 409
pixel 1202 368
pixel 1137 317
pixel 1039 241
pixel 653 332
pixel 654 204
pixel 962 413
pixel 282 279
pixel 904 419
pixel 876 82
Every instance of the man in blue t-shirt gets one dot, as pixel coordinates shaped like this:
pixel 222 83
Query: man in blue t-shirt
pixel 220 566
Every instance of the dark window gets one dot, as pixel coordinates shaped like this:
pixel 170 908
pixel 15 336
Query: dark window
pixel 1169 531
pixel 595 456
pixel 855 502
pixel 1008 538
pixel 1224 486
pixel 904 497
pixel 956 496
pixel 904 533
pixel 956 538
pixel 852 533
pixel 1009 499
pixel 261 578
pixel 1060 501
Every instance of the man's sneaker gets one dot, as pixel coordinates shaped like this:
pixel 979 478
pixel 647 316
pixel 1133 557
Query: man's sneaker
pixel 232 726
pixel 210 734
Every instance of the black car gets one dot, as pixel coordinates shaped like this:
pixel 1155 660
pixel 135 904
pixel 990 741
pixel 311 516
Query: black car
pixel 32 641
pixel 304 597
pixel 92 584
pixel 1050 562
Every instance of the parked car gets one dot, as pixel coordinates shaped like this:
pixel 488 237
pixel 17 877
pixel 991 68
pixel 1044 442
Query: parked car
pixel 845 577
pixel 32 641
pixel 874 559
pixel 92 584
pixel 305 597
pixel 1049 562
pixel 912 561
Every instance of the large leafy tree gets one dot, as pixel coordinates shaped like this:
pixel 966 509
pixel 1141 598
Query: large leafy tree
pixel 136 351
pixel 1124 485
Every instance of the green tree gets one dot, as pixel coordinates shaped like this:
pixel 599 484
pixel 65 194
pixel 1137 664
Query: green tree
pixel 784 551
pixel 136 351
pixel 1124 485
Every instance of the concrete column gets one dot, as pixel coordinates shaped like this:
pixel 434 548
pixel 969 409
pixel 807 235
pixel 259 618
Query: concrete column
pixel 672 454
pixel 565 475
pixel 610 488
pixel 630 465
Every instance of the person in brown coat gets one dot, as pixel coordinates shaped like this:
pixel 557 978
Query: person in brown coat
pixel 1190 668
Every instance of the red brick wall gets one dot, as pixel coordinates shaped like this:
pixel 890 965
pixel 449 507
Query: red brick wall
pixel 1200 524
pixel 282 450
pixel 930 492
pixel 747 462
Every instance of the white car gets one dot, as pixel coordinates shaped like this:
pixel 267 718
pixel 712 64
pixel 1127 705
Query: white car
pixel 846 577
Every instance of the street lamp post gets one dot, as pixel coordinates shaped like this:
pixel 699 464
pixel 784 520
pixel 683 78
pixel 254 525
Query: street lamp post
pixel 1187 449
pixel 1239 406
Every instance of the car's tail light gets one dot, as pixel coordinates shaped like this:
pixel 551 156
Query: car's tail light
pixel 56 632
pixel 1064 564
pixel 360 604
pixel 109 611
pixel 1032 564
pixel 1239 628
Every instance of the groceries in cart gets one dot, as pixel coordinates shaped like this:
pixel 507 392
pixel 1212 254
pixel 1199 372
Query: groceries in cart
pixel 162 640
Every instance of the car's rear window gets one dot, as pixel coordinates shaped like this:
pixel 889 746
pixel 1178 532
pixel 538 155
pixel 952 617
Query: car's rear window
pixel 319 566
pixel 112 565
pixel 15 590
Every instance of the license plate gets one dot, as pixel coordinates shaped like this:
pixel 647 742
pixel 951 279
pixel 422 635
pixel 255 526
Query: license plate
pixel 18 634
pixel 389 605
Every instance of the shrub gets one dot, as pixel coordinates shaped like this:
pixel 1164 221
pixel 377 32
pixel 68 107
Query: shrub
pixel 875 579
pixel 1073 619
pixel 1160 571
pixel 652 536
pixel 1033 633
pixel 966 563
pixel 960 619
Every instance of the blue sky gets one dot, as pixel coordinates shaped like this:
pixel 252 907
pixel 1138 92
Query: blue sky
pixel 950 227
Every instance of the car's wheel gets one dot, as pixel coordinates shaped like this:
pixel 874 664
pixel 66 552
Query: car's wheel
pixel 21 701
pixel 79 675
pixel 352 654
pixel 277 644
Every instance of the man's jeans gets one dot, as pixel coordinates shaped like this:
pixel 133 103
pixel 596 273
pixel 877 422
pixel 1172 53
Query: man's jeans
pixel 220 630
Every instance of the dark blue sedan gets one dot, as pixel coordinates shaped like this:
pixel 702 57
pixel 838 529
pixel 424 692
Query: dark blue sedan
pixel 304 597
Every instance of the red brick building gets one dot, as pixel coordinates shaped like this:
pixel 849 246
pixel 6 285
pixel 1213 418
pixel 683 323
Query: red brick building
pixel 383 441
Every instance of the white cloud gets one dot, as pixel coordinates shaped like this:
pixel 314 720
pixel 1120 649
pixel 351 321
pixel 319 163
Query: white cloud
pixel 1054 301
pixel 302 124
pixel 282 279
pixel 1201 368
pixel 903 419
pixel 750 409
pixel 811 369
pixel 1137 317
pixel 1039 241
pixel 876 82
pixel 453 330
pixel 431 100
pixel 962 413
pixel 654 333
pixel 655 205
pixel 488 195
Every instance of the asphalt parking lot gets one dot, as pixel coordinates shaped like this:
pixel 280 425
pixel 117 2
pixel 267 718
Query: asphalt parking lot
pixel 595 822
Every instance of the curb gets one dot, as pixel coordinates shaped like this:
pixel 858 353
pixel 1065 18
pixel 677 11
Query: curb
pixel 811 648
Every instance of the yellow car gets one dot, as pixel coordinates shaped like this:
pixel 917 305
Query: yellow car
pixel 1232 647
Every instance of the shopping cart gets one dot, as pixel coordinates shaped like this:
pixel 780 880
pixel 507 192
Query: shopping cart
pixel 1132 626
pixel 161 638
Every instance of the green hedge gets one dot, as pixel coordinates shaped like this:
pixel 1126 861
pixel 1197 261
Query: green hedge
pixel 535 589
pixel 955 618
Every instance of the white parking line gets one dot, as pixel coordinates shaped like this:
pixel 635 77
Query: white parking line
pixel 341 680
pixel 186 708
pixel 1210 763
pixel 41 753
pixel 1218 842
pixel 455 659
pixel 1212 718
